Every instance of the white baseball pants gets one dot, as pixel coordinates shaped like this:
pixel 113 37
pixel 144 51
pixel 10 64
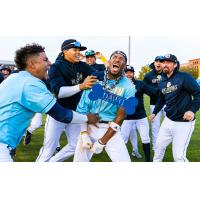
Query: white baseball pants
pixel 155 125
pixel 53 131
pixel 115 147
pixel 177 133
pixel 129 130
pixel 5 153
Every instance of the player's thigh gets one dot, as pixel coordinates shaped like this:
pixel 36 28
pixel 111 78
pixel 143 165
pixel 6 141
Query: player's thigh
pixel 126 128
pixel 116 149
pixel 143 128
pixel 182 133
pixel 53 129
pixel 72 132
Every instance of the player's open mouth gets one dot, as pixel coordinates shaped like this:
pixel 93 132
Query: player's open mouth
pixel 115 68
pixel 78 57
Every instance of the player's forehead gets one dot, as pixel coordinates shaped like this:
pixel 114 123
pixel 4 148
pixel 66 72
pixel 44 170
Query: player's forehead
pixel 117 55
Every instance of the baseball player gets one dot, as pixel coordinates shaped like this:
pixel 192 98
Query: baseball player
pixel 67 78
pixel 90 57
pixel 29 96
pixel 1 78
pixel 139 119
pixel 106 134
pixel 181 94
pixel 153 78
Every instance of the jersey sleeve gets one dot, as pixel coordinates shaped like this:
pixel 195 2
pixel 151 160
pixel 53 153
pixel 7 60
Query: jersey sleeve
pixel 193 88
pixel 37 97
pixel 56 80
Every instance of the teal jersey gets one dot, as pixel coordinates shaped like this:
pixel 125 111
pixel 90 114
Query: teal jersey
pixel 106 110
pixel 22 95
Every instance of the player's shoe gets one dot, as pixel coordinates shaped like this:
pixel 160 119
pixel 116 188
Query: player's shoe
pixel 136 154
pixel 27 138
pixel 57 149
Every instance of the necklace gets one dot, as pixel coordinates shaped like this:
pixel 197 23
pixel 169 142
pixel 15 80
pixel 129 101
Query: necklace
pixel 105 84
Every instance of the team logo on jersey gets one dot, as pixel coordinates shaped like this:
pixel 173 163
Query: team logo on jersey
pixel 157 79
pixel 99 93
pixel 170 88
pixel 168 84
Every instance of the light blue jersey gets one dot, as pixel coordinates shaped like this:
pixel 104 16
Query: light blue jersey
pixel 198 81
pixel 21 95
pixel 106 111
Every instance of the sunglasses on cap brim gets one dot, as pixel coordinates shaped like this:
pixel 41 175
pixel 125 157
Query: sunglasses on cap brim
pixel 73 44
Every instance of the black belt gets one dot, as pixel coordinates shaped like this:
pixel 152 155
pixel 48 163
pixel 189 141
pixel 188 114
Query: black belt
pixel 105 122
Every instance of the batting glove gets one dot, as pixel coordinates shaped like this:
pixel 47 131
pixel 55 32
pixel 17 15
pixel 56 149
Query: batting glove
pixel 97 148
pixel 86 141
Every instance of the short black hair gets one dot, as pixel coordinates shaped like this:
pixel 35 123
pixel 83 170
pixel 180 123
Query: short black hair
pixel 22 54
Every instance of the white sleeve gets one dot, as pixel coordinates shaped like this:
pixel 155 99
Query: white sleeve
pixel 79 118
pixel 68 91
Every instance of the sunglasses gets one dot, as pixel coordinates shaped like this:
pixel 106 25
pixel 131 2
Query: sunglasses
pixel 89 53
pixel 73 44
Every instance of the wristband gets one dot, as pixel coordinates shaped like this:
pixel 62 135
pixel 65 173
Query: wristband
pixel 103 59
pixel 115 126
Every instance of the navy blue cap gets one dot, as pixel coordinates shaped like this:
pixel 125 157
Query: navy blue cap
pixel 129 68
pixel 71 43
pixel 159 58
pixel 170 57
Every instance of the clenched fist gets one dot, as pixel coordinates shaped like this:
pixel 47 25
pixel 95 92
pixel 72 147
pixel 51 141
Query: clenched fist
pixel 88 82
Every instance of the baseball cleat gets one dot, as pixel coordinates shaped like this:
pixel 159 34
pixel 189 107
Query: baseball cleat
pixel 136 154
pixel 27 138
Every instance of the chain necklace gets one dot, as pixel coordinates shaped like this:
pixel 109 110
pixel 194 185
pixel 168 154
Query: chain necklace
pixel 107 88
pixel 105 84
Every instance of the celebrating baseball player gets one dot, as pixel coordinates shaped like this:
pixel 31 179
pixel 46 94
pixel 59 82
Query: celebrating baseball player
pixel 90 57
pixel 68 76
pixel 93 139
pixel 153 78
pixel 29 96
pixel 181 94
pixel 139 118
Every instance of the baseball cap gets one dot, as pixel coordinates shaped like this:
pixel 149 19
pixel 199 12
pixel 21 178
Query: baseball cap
pixel 89 53
pixel 119 52
pixel 5 67
pixel 129 68
pixel 170 57
pixel 159 58
pixel 71 43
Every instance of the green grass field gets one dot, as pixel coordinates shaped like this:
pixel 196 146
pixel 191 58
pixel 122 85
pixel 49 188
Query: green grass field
pixel 30 152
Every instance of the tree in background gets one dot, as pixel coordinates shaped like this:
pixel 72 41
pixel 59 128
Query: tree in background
pixel 144 70
pixel 191 70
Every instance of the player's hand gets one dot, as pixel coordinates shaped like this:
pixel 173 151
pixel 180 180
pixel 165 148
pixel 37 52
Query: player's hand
pixel 188 116
pixel 98 55
pixel 86 141
pixel 88 82
pixel 97 148
pixel 152 117
pixel 92 118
